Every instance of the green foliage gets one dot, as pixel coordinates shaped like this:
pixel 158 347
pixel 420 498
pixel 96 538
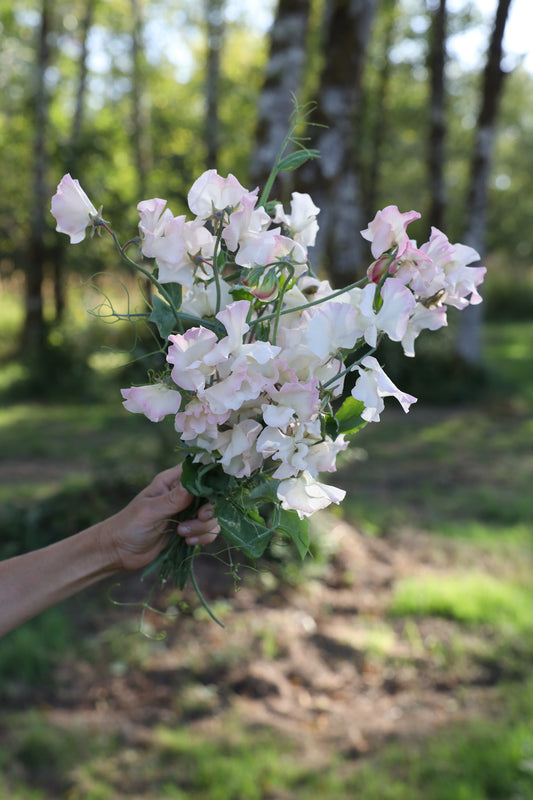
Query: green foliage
pixel 29 653
pixel 472 598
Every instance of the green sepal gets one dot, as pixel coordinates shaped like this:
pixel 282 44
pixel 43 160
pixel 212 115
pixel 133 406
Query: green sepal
pixel 349 416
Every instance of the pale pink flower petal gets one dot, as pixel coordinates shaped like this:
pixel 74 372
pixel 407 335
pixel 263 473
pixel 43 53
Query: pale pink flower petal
pixel 301 222
pixel 212 193
pixel 388 230
pixel 72 209
pixel 372 386
pixel 398 303
pixel 239 456
pixel 305 495
pixel 154 401
pixel 187 353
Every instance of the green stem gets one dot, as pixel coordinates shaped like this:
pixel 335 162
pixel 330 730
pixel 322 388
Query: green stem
pixel 215 268
pixel 348 369
pixel 201 598
pixel 268 317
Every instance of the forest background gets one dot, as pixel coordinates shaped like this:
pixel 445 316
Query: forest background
pixel 136 99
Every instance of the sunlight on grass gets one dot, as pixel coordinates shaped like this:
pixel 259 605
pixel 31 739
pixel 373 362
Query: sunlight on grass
pixel 473 598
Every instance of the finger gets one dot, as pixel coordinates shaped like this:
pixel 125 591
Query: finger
pixel 203 539
pixel 206 512
pixel 165 481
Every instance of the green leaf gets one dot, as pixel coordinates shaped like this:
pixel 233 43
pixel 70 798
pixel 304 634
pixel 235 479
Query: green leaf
pixel 163 316
pixel 349 416
pixel 297 529
pixel 240 529
pixel 205 480
pixel 296 159
pixel 331 426
pixel 175 292
pixel 266 491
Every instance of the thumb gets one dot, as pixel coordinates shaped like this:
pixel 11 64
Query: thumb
pixel 169 503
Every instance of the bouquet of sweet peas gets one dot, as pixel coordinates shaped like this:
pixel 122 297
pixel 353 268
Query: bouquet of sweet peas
pixel 258 348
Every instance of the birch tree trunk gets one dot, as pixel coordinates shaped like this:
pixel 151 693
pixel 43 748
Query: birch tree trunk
pixel 371 172
pixel 139 119
pixel 437 116
pixel 333 180
pixel 283 79
pixel 215 31
pixel 73 154
pixel 33 334
pixel 469 333
pixel 139 111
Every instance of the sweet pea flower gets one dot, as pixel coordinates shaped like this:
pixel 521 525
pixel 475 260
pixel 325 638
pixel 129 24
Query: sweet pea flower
pixel 459 279
pixel 187 353
pixel 422 318
pixel 398 303
pixel 292 400
pixel 211 194
pixel 154 216
pixel 72 209
pixel 198 419
pixel 239 456
pixel 301 222
pixel 245 223
pixel 200 300
pixel 155 401
pixel 305 495
pixel 372 386
pixel 181 252
pixel 388 230
pixel 332 327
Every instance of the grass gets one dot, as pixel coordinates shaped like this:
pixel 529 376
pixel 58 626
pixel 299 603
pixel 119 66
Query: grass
pixel 473 598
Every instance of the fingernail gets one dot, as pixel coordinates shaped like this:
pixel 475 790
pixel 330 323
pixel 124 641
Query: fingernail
pixel 193 540
pixel 184 528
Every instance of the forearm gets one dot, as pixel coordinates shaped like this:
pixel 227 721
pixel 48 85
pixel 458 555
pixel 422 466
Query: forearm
pixel 32 582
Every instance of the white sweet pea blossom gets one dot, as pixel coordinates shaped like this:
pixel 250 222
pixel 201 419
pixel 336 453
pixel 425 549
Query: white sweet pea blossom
pixel 388 230
pixel 211 194
pixel 198 419
pixel 301 222
pixel 155 401
pixel 154 216
pixel 372 386
pixel 200 300
pixel 181 252
pixel 187 353
pixel 245 224
pixel 291 401
pixel 305 495
pixel 239 456
pixel 332 327
pixel 420 319
pixel 398 303
pixel 72 209
pixel 460 280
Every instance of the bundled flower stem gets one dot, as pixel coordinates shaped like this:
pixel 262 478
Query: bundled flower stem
pixel 258 348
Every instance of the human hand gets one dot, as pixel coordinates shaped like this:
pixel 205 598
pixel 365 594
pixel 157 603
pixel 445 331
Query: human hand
pixel 138 533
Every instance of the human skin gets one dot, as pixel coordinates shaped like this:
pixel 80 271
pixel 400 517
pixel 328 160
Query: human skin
pixel 129 540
